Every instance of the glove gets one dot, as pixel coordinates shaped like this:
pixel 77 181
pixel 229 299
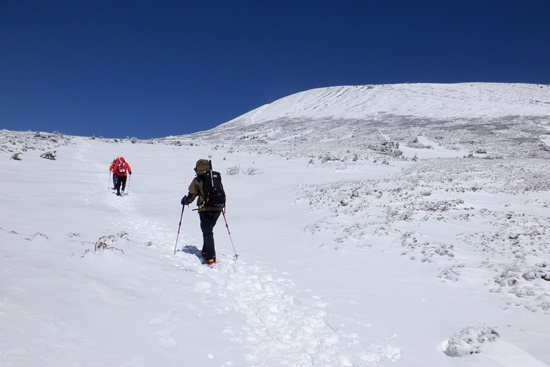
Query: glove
pixel 130 173
pixel 184 200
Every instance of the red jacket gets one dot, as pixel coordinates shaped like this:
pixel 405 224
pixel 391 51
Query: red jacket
pixel 122 169
pixel 113 165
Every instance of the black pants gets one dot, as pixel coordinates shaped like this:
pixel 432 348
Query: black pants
pixel 120 181
pixel 115 179
pixel 208 221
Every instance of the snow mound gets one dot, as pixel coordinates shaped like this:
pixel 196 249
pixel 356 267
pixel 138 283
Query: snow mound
pixel 487 344
pixel 469 341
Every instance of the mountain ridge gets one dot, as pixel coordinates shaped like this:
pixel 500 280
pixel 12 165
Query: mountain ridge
pixel 468 117
pixel 462 100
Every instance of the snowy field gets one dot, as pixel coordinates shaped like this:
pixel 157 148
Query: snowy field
pixel 363 240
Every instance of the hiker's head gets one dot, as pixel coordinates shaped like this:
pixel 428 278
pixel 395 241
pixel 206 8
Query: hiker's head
pixel 202 166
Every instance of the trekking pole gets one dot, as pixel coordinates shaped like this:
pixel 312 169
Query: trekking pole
pixel 229 232
pixel 179 226
pixel 128 183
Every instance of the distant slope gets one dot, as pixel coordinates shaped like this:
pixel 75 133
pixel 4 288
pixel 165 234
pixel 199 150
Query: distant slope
pixel 465 100
pixel 380 119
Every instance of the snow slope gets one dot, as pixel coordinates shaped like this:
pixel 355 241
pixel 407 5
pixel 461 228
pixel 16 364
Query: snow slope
pixel 439 101
pixel 358 122
pixel 399 249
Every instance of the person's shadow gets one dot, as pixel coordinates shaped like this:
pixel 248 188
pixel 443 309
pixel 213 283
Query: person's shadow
pixel 192 250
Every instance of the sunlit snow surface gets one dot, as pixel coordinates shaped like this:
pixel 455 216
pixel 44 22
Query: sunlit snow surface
pixel 403 225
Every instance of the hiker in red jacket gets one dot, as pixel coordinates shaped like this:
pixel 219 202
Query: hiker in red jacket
pixel 121 171
pixel 112 167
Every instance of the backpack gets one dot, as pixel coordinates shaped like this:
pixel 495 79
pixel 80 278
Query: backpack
pixel 121 167
pixel 214 194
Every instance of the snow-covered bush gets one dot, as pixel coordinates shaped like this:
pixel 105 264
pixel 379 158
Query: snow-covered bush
pixel 328 157
pixel 233 171
pixel 237 170
pixel 106 242
pixel 49 155
pixel 418 145
pixel 469 341
pixel 16 141
pixel 251 171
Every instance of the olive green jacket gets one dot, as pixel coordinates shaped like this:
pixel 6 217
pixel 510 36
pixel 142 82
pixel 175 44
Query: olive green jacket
pixel 196 188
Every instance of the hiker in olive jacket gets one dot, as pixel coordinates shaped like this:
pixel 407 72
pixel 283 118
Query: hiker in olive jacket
pixel 208 215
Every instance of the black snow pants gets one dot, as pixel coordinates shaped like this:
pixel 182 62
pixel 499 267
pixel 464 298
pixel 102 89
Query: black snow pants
pixel 121 183
pixel 208 221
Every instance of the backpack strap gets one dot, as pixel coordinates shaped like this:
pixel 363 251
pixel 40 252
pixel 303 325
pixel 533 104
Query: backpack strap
pixel 200 178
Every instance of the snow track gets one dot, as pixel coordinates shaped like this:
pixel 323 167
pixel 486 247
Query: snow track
pixel 277 330
pixel 342 263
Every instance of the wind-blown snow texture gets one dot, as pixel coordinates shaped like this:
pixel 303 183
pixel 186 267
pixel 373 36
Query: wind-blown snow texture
pixel 391 225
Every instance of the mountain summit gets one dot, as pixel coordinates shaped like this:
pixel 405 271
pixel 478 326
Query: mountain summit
pixel 436 101
pixel 467 117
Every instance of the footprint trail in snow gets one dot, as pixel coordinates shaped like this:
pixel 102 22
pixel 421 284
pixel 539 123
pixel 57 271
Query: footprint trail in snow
pixel 277 328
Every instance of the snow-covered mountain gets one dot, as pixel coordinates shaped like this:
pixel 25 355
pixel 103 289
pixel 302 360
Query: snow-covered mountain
pixel 426 101
pixel 391 225
pixel 499 119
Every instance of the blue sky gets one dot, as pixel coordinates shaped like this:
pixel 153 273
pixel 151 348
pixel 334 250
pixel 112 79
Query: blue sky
pixel 156 68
